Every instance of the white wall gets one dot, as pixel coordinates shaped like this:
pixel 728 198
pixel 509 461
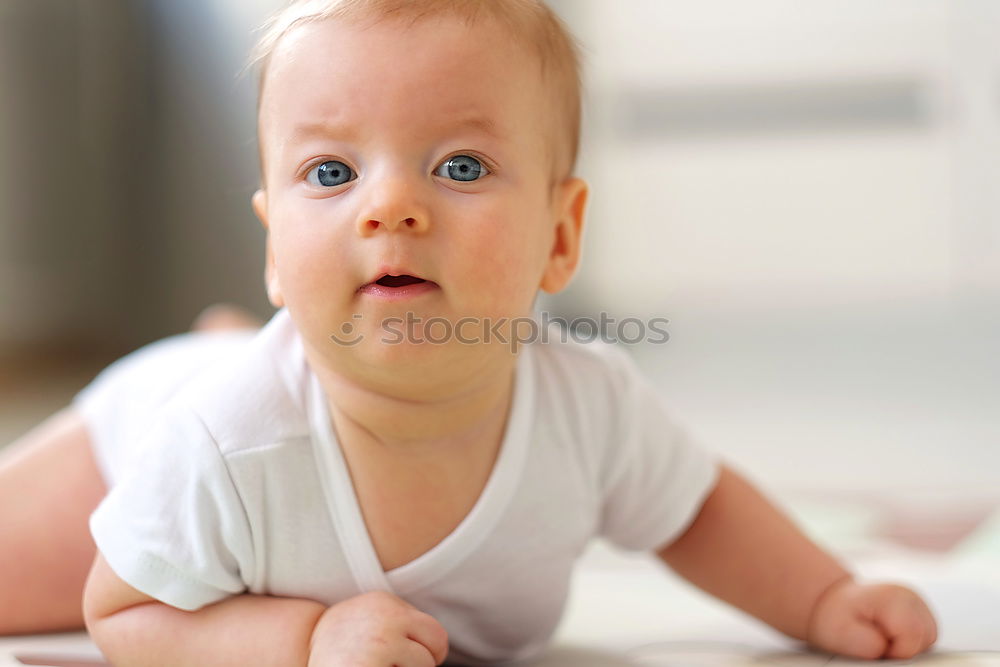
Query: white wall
pixel 840 150
pixel 810 193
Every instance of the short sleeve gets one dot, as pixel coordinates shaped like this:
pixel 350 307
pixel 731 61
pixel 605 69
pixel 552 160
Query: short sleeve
pixel 174 527
pixel 655 476
pixel 118 403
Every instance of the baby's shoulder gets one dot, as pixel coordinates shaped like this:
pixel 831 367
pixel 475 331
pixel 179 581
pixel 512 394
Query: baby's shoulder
pixel 255 396
pixel 583 388
pixel 594 365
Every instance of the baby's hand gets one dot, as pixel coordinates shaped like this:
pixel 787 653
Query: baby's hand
pixel 871 621
pixel 377 630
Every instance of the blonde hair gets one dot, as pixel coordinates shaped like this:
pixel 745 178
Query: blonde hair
pixel 530 22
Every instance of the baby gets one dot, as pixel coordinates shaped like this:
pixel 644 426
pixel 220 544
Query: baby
pixel 327 494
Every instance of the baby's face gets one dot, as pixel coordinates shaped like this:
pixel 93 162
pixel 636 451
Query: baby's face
pixel 407 149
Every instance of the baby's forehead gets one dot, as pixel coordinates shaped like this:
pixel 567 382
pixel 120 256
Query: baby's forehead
pixel 313 39
pixel 551 52
pixel 460 73
pixel 417 70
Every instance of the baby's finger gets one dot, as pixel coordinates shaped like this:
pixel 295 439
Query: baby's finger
pixel 858 638
pixel 413 654
pixel 906 623
pixel 430 635
pixel 932 624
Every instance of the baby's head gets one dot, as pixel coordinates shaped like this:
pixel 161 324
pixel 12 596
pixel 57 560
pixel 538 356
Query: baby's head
pixel 429 138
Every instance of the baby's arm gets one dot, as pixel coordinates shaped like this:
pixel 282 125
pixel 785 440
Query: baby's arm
pixel 377 628
pixel 133 629
pixel 743 550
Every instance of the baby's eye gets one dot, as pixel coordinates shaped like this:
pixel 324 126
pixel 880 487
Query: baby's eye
pixel 330 173
pixel 462 168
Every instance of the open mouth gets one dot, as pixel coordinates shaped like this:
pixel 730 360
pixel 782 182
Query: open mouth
pixel 397 287
pixel 398 281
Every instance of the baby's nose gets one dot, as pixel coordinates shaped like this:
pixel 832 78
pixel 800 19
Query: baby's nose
pixel 373 225
pixel 394 206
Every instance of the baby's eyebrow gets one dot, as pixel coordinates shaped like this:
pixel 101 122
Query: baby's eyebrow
pixel 481 123
pixel 306 130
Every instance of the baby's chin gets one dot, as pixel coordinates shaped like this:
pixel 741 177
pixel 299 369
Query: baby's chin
pixel 401 351
pixel 419 368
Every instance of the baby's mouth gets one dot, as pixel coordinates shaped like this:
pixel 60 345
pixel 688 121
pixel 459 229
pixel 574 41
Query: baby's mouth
pixel 397 287
pixel 398 281
pixel 393 282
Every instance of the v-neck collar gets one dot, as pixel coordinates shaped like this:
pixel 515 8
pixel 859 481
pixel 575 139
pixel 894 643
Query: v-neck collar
pixel 345 510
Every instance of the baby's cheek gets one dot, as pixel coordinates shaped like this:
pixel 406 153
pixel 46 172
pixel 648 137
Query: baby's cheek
pixel 315 287
pixel 501 261
pixel 308 242
pixel 306 267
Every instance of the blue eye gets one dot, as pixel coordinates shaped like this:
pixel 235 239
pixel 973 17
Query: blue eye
pixel 330 173
pixel 462 168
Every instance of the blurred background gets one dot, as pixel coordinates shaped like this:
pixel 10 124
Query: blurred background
pixel 808 191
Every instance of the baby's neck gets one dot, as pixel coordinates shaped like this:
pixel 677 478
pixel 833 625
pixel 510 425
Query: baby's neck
pixel 445 426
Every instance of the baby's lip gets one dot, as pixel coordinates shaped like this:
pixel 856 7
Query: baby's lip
pixel 395 276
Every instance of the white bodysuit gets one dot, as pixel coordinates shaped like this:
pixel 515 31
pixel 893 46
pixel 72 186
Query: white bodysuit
pixel 229 479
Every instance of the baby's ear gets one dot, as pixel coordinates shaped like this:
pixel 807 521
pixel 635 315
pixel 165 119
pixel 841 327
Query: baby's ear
pixel 259 203
pixel 569 206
